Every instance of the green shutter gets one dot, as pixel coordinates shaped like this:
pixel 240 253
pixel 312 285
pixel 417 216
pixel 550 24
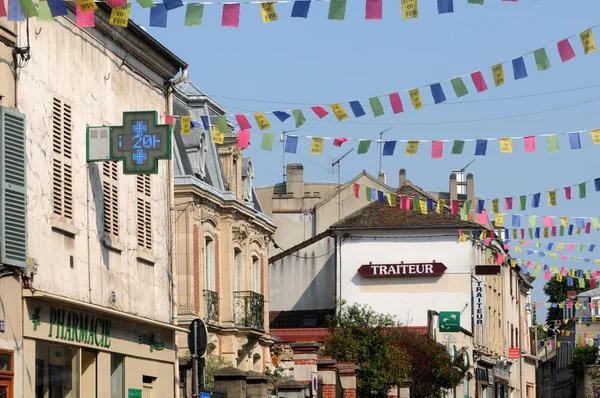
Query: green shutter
pixel 13 189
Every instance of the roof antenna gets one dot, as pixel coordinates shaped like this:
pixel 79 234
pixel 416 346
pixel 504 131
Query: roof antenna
pixel 338 162
pixel 460 179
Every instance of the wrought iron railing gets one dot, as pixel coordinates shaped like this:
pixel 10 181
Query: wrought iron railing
pixel 248 310
pixel 211 303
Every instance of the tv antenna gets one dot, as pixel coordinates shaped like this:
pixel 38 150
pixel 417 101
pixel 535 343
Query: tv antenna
pixel 339 163
pixel 282 140
pixel 460 178
pixel 381 147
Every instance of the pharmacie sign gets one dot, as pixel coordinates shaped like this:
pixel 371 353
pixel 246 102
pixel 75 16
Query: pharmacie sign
pixel 75 326
pixel 402 269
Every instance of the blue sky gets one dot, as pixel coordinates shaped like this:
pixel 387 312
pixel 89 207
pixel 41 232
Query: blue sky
pixel 315 61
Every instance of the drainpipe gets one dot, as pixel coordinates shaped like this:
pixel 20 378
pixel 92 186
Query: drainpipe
pixel 519 336
pixel 170 239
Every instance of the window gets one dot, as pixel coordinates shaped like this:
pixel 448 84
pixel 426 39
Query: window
pixel 117 387
pixel 209 261
pixel 144 212
pixel 62 167
pixel 56 370
pixel 237 259
pixel 148 386
pixel 110 189
pixel 255 274
pixel 510 275
pixel 512 335
pixel 517 338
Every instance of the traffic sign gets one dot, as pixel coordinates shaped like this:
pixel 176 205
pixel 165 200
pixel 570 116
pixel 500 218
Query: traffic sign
pixel 197 337
pixel 314 384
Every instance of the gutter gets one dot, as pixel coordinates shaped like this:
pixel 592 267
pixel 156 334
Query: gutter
pixel 412 227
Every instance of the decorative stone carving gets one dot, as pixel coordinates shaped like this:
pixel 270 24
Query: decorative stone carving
pixel 240 232
pixel 247 177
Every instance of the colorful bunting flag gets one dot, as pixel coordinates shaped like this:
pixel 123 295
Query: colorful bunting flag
pixel 268 13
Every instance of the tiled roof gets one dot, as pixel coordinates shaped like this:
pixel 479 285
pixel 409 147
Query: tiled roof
pixel 383 215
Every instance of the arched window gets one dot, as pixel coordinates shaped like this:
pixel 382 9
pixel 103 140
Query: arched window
pixel 209 263
pixel 255 274
pixel 238 270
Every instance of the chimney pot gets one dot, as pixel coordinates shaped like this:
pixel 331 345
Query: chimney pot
pixel 453 187
pixel 470 187
pixel 402 174
pixel 294 179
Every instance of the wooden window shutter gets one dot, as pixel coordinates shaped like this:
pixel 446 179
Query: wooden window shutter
pixel 144 211
pixel 62 168
pixel 13 189
pixel 110 190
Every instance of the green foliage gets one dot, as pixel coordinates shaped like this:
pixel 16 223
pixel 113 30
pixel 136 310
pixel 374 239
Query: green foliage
pixel 274 372
pixel 360 335
pixel 582 357
pixel 557 293
pixel 214 363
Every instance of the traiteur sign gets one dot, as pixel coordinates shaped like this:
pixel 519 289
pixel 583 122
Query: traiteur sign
pixel 402 269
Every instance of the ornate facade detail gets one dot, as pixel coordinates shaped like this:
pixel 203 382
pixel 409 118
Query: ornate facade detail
pixel 240 232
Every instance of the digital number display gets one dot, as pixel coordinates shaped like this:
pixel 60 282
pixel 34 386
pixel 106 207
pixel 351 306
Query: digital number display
pixel 140 142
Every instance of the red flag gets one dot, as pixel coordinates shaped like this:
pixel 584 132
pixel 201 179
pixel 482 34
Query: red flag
pixel 588 227
pixel 243 139
pixel 396 103
pixel 454 208
pixel 565 50
pixel 339 141
pixel 568 193
pixel 479 81
pixel 319 111
pixel 231 15
pixel 508 202
pixel 356 188
pixel 243 122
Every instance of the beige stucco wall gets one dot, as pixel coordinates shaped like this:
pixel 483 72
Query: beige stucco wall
pixel 7 80
pixel 69 64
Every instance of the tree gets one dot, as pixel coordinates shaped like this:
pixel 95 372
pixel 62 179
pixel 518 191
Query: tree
pixel 557 293
pixel 582 357
pixel 213 363
pixel 359 334
pixel 433 369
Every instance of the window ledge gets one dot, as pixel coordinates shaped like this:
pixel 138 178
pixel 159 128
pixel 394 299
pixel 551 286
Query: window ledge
pixel 63 227
pixel 145 257
pixel 112 244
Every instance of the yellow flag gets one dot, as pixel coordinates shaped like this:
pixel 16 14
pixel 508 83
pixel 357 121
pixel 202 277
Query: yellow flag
pixel 506 145
pixel 559 277
pixel 316 145
pixel 423 206
pixel 217 136
pixel 597 262
pixel 595 136
pixel 546 232
pixel 560 246
pixel 577 231
pixel 339 112
pixel 119 16
pixel 587 39
pixel 564 221
pixel 267 10
pixel 186 121
pixel 462 237
pixel 552 255
pixel 415 97
pixel 87 5
pixel 495 206
pixel 498 73
pixel 513 263
pixel 412 147
pixel 518 249
pixel 393 200
pixel 262 121
pixel 552 198
pixel 558 344
pixel 483 234
pixel 499 220
pixel 553 269
pixel 440 205
pixel 410 9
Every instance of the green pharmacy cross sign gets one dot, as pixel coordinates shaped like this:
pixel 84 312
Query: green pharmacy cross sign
pixel 139 143
pixel 449 322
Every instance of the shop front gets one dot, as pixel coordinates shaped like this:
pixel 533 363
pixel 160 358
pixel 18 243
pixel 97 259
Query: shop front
pixel 502 378
pixel 73 349
pixel 484 375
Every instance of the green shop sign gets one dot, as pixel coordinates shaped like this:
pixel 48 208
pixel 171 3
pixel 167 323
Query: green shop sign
pixel 77 327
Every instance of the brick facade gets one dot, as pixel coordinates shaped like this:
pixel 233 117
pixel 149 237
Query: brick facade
pixel 328 391
pixel 196 251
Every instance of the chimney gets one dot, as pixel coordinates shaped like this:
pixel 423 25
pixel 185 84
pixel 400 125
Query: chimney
pixel 453 187
pixel 381 176
pixel 470 187
pixel 402 178
pixel 294 180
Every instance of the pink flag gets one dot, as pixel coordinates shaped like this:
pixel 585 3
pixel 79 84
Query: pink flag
pixel 588 227
pixel 437 148
pixel 506 247
pixel 547 275
pixel 169 120
pixel 499 259
pixel 116 3
pixel 593 283
pixel 319 111
pixel 479 81
pixel 530 144
pixel 339 141
pixel 492 233
pixel 565 50
pixel 568 193
pixel 522 233
pixel 454 207
pixel 243 122
pixel 564 257
pixel 563 271
pixel 569 304
pixel 2 9
pixel 527 243
pixel 243 139
pixel 374 9
pixel 483 218
pixel 548 221
pixel 571 246
pixel 85 19
pixel 396 103
pixel 231 15
pixel 508 202
pixel 487 241
pixel 404 203
pixel 553 231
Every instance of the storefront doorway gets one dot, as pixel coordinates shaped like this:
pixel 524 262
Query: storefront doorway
pixel 6 374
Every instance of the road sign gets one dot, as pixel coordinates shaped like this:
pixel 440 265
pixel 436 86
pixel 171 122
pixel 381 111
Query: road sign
pixel 449 322
pixel 197 337
pixel 314 384
pixel 514 353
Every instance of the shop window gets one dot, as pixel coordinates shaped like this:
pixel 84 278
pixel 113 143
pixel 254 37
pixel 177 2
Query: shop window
pixel 117 388
pixel 56 371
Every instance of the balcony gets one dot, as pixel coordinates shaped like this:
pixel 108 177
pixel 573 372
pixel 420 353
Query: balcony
pixel 249 310
pixel 211 302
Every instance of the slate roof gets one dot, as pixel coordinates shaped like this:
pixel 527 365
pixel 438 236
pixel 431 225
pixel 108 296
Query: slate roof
pixel 377 215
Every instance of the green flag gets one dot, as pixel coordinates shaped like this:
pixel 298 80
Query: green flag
pixel 222 123
pixel 475 2
pixel 146 3
pixel 457 147
pixel 376 106
pixel 522 202
pixel 459 87
pixel 561 231
pixel 267 140
pixel 29 9
pixel 363 147
pixel 552 141
pixel 582 190
pixel 595 222
pixel 368 193
pixel 193 15
pixel 541 59
pixel 580 247
pixel 299 117
pixel 337 10
pixel 532 221
pixel 44 13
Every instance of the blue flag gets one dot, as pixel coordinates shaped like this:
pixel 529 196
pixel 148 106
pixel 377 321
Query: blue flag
pixel 158 16
pixel 438 93
pixel 519 70
pixel 481 147
pixel 445 6
pixel 300 9
pixel 357 109
pixel 291 144
pixel 282 116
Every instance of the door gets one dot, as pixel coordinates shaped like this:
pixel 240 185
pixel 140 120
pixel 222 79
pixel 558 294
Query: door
pixel 6 390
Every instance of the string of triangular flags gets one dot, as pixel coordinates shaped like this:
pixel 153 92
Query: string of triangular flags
pixel 18 10
pixel 568 343
pixel 590 247
pixel 577 302
pixel 559 246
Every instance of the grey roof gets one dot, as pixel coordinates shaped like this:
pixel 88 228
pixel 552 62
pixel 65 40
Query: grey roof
pixel 590 293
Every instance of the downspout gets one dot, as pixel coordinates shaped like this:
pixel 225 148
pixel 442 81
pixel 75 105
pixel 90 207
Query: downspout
pixel 170 240
pixel 519 336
